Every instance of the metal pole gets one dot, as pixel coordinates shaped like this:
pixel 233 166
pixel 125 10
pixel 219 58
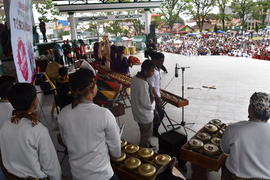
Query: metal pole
pixel 72 26
pixel 183 96
pixel 147 21
pixel 6 9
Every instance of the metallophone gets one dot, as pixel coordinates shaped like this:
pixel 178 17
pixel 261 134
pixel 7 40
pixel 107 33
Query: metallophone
pixel 166 96
pixel 126 82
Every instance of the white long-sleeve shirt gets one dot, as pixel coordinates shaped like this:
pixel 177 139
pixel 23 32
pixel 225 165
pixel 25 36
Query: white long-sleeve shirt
pixel 28 151
pixel 154 81
pixel 248 146
pixel 91 134
pixel 142 108
pixel 5 112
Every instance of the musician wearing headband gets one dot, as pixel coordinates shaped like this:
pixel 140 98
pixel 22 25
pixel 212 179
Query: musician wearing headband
pixel 155 82
pixel 142 102
pixel 248 143
pixel 89 131
pixel 26 147
pixel 5 107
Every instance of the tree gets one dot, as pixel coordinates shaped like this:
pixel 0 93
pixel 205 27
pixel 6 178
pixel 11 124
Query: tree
pixel 47 11
pixel 200 10
pixel 93 28
pixel 136 23
pixel 242 8
pixel 114 27
pixel 137 26
pixel 260 10
pixel 215 28
pixel 171 10
pixel 256 27
pixel 2 18
pixel 222 4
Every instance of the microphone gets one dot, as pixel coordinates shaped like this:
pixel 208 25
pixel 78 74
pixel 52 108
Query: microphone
pixel 176 70
pixel 184 67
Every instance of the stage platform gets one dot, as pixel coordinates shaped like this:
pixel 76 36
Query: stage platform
pixel 235 79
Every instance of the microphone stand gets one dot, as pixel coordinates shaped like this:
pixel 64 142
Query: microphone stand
pixel 183 122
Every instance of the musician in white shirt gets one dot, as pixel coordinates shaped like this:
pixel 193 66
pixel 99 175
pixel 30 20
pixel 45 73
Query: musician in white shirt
pixel 89 131
pixel 248 143
pixel 5 107
pixel 154 81
pixel 142 102
pixel 26 147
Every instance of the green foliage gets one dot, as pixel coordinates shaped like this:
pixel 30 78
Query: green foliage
pixel 65 33
pixel 125 32
pixel 200 10
pixel 93 28
pixel 46 9
pixel 114 28
pixel 260 10
pixel 256 27
pixel 171 10
pixel 222 4
pixel 3 18
pixel 137 26
pixel 215 28
pixel 156 19
pixel 242 8
pixel 180 20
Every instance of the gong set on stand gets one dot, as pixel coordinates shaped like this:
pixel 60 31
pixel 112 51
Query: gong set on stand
pixel 138 163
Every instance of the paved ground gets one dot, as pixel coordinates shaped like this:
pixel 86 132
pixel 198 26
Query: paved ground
pixel 235 80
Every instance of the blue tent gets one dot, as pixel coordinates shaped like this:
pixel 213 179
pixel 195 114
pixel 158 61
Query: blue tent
pixel 191 34
pixel 220 31
pixel 63 22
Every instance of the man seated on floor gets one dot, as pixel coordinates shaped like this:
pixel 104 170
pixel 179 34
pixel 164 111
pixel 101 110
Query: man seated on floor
pixel 142 102
pixel 248 143
pixel 26 147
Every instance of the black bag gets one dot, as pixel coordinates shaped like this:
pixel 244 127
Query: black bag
pixel 170 143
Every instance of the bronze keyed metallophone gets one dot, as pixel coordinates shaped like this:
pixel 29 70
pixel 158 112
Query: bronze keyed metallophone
pixel 166 96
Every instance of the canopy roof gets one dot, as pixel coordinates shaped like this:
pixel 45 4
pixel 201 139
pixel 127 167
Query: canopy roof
pixel 116 39
pixel 85 5
pixel 95 5
pixel 139 39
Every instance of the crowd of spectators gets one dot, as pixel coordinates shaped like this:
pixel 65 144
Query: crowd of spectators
pixel 239 45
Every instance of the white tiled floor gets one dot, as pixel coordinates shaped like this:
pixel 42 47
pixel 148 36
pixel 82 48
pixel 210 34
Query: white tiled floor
pixel 235 80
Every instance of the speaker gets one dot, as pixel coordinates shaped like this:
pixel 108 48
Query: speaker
pixel 170 143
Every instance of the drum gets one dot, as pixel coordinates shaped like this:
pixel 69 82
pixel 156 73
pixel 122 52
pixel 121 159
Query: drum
pixel 132 50
pixel 126 51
